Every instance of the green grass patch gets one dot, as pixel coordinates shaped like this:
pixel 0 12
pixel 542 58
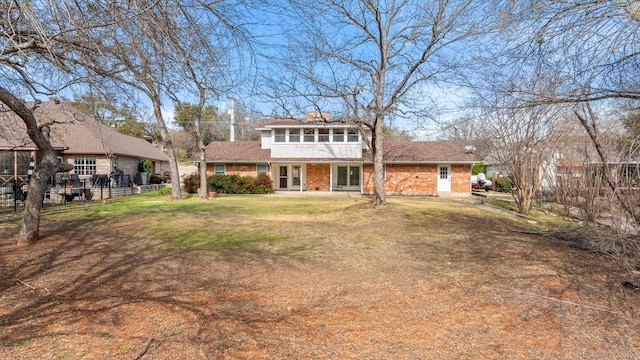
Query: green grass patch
pixel 504 204
pixel 247 225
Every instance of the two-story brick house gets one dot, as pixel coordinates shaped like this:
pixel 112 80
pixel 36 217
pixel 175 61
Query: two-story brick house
pixel 324 156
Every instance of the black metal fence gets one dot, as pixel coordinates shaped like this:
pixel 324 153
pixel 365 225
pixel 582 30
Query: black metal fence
pixel 68 188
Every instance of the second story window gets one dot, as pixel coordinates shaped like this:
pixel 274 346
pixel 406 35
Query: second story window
pixel 338 135
pixel 280 135
pixel 309 135
pixel 352 135
pixel 323 135
pixel 294 135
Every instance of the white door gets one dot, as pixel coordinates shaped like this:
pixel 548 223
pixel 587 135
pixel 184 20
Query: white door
pixel 444 178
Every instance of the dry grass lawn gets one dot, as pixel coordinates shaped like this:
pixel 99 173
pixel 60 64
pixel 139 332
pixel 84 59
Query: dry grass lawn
pixel 284 278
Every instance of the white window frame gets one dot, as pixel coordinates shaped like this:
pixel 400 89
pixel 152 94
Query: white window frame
pixel 279 135
pixel 350 135
pixel 308 132
pixel 266 168
pixel 341 134
pixel 84 164
pixel 217 171
pixel 324 135
pixel 294 135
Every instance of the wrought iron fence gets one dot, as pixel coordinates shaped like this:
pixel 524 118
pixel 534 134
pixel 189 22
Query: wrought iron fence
pixel 68 188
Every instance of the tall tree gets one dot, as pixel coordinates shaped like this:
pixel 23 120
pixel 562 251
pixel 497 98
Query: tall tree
pixel 109 110
pixel 373 59
pixel 204 50
pixel 184 113
pixel 592 48
pixel 522 140
pixel 135 56
pixel 156 48
pixel 39 48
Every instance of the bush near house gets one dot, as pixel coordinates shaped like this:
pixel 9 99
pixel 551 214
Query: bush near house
pixel 191 183
pixel 503 184
pixel 477 168
pixel 231 184
pixel 155 179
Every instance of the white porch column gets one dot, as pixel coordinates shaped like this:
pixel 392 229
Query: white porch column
pixel 330 177
pixel 362 178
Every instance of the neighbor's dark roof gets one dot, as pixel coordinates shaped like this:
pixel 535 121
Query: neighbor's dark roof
pixel 399 152
pixel 77 133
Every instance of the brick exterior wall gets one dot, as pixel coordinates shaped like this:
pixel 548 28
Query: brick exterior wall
pixel 402 179
pixel 317 177
pixel 408 179
pixel 461 179
pixel 128 165
pixel 235 169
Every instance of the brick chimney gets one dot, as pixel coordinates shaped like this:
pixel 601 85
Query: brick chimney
pixel 318 116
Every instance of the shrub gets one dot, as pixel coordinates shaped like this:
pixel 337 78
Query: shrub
pixel 192 183
pixel 231 184
pixel 477 168
pixel 503 183
pixel 155 179
pixel 234 184
pixel 145 166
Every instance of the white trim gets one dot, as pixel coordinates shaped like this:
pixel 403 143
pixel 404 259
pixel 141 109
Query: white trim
pixel 215 171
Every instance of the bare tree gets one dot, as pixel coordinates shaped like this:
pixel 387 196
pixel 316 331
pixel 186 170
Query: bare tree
pixel 48 45
pixel 203 49
pixel 184 143
pixel 39 55
pixel 135 56
pixel 155 47
pixel 373 59
pixel 591 48
pixel 523 141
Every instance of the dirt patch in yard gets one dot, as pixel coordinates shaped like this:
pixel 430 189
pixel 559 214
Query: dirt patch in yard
pixel 418 279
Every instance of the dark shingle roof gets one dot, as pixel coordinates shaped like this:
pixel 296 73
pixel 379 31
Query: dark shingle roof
pixel 79 133
pixel 399 152
pixel 236 151
pixel 424 152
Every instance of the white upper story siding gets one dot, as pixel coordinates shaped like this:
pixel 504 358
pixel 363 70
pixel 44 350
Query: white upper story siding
pixel 319 142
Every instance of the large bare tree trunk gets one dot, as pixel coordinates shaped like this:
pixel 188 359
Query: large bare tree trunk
pixel 176 193
pixel 197 127
pixel 378 163
pixel 49 165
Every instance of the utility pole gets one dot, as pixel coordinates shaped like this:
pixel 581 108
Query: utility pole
pixel 232 124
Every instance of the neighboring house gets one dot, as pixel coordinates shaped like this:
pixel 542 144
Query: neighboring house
pixel 91 147
pixel 324 156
